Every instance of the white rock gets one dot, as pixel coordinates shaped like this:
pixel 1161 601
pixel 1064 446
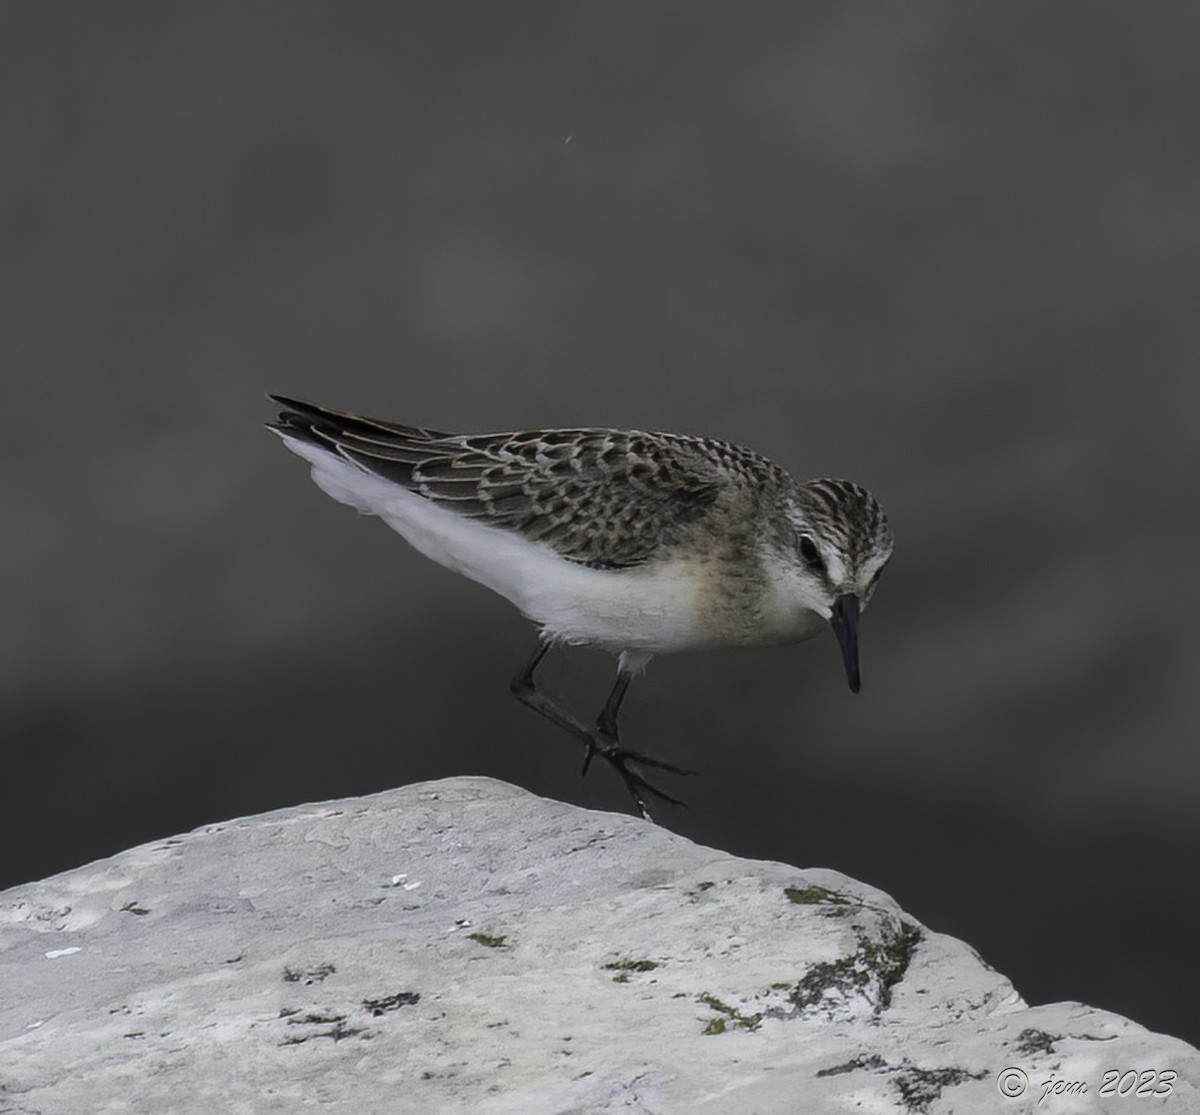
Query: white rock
pixel 463 946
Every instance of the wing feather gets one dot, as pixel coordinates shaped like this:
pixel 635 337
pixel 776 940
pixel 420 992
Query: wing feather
pixel 604 498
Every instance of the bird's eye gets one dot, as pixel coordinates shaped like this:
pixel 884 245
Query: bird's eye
pixel 809 552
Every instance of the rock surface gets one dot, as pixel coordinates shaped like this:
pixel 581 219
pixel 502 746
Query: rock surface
pixel 463 946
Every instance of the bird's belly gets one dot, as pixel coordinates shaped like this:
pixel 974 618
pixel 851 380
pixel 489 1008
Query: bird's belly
pixel 655 608
pixel 649 608
pixel 666 606
pixel 652 608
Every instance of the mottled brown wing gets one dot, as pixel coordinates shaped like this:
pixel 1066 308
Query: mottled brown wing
pixel 604 498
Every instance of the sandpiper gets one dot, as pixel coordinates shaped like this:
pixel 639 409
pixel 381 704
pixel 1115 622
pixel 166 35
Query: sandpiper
pixel 637 543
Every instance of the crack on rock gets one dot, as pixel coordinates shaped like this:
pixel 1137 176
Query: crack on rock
pixel 591 842
pixel 871 972
pixel 311 976
pixel 317 1018
pixel 873 1062
pixel 338 1030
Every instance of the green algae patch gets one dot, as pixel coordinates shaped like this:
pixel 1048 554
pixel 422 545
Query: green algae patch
pixel 727 1016
pixel 815 895
pixel 488 941
pixel 627 965
pixel 871 972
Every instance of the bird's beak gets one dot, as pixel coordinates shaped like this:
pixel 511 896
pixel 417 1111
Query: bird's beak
pixel 845 626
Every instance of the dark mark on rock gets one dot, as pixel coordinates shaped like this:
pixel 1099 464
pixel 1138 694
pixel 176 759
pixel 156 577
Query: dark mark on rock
pixel 873 1062
pixel 339 1032
pixel 392 1002
pixel 1031 1041
pixel 919 1088
pixel 313 975
pixel 317 1018
pixel 624 967
pixel 874 969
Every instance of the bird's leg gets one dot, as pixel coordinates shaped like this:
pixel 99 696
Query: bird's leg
pixel 609 741
pixel 527 693
pixel 606 722
pixel 603 739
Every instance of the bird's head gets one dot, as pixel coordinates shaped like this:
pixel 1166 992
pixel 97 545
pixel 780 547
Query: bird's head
pixel 842 543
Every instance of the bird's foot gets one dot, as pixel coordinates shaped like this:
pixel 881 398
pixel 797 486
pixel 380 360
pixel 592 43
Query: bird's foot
pixel 622 760
pixel 611 750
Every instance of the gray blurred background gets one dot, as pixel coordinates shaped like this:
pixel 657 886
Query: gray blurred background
pixel 948 249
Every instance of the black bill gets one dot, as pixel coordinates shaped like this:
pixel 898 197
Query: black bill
pixel 845 626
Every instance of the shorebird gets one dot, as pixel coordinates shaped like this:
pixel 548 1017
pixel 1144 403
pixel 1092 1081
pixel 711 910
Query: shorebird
pixel 636 543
